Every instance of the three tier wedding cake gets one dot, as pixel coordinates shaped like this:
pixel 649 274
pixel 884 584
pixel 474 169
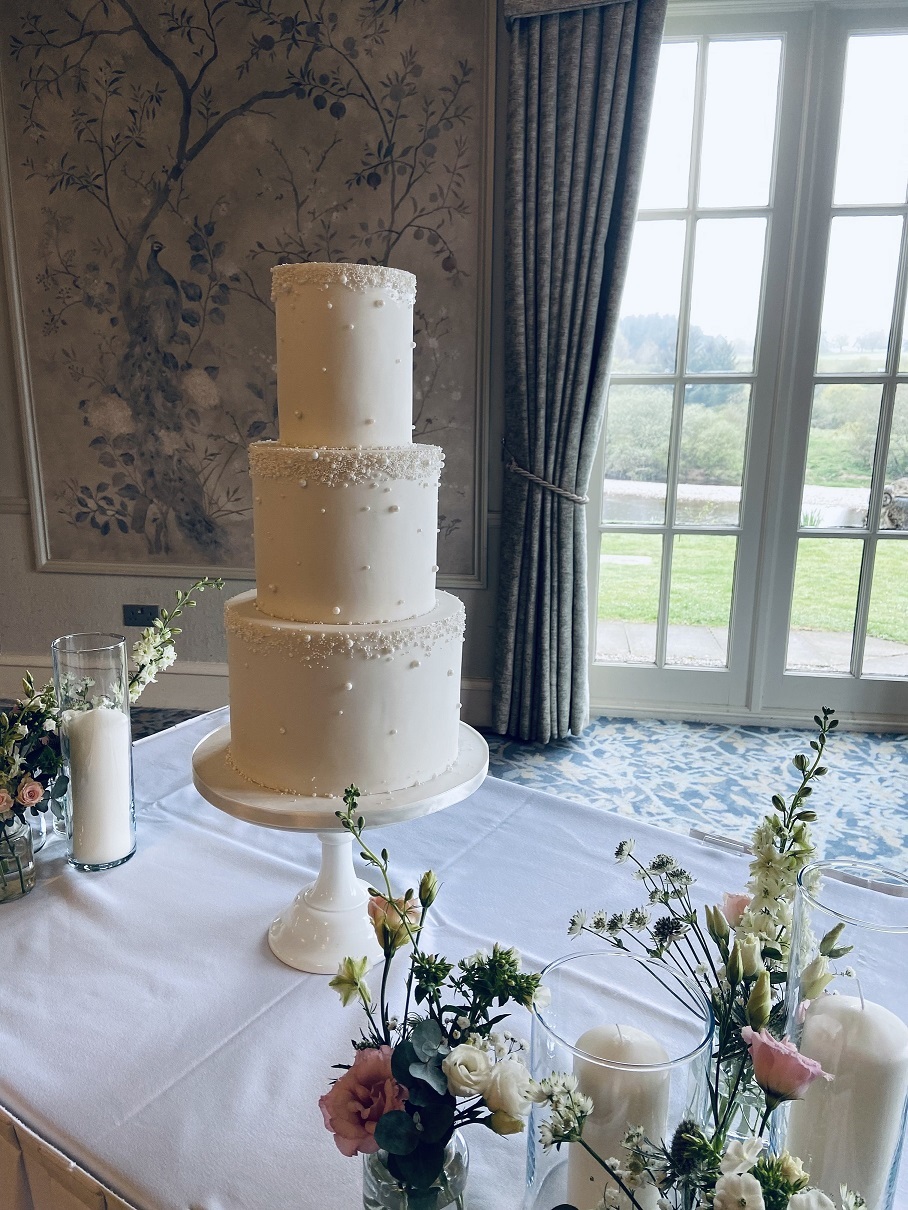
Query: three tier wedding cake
pixel 345 661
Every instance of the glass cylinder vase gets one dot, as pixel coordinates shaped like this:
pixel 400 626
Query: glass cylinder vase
pixel 92 681
pixel 847 1010
pixel 17 859
pixel 637 1034
pixel 381 1191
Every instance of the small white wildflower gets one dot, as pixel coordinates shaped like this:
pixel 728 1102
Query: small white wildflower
pixel 811 1199
pixel 740 1156
pixel 742 1192
pixel 576 923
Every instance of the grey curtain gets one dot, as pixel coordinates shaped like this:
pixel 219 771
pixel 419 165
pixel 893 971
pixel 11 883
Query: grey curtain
pixel 580 93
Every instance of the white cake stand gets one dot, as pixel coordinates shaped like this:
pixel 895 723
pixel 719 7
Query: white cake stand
pixel 328 920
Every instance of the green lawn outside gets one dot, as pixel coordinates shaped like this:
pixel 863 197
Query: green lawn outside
pixel 825 589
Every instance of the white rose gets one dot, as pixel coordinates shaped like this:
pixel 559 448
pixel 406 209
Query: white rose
pixel 467 1068
pixel 510 1087
pixel 740 1156
pixel 811 1199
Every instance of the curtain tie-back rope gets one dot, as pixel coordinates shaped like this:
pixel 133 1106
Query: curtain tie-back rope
pixel 551 487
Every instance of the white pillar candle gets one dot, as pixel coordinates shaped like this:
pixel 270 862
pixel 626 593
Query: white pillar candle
pixel 621 1100
pixel 846 1130
pixel 100 789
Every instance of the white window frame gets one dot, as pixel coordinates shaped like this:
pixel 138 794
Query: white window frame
pixel 755 686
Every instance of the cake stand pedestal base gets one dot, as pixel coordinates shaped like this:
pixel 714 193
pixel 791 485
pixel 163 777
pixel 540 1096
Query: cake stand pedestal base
pixel 328 921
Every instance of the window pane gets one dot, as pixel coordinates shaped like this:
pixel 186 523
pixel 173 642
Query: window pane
pixel 666 170
pixel 873 140
pixel 637 427
pixel 886 645
pixel 823 605
pixel 739 123
pixel 903 353
pixel 897 463
pixel 647 337
pixel 725 301
pixel 713 434
pixel 840 449
pixel 703 570
pixel 857 302
pixel 629 576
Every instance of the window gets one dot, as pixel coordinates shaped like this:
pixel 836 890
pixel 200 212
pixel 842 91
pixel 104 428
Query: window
pixel 751 544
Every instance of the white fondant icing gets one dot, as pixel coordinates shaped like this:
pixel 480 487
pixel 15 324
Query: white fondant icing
pixel 300 684
pixel 337 374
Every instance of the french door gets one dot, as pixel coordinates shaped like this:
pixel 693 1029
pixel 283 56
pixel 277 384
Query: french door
pixel 749 558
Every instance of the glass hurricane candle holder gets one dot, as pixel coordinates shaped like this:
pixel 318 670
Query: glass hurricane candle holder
pixel 92 681
pixel 637 1035
pixel 847 1010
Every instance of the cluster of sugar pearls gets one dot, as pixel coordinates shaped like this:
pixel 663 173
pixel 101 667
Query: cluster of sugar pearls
pixel 397 283
pixel 340 467
pixel 317 647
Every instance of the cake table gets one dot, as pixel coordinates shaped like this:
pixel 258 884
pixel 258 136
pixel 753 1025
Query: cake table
pixel 328 920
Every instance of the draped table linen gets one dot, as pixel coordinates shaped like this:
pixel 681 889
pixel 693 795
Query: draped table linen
pixel 153 1052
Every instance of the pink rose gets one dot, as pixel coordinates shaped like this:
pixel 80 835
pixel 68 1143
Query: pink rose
pixel 30 792
pixel 6 802
pixel 388 918
pixel 352 1107
pixel 734 907
pixel 780 1069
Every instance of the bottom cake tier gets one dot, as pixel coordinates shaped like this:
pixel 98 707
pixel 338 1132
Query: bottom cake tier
pixel 314 708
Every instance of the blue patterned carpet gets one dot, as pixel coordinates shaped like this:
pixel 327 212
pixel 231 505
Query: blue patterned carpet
pixel 709 776
pixel 720 778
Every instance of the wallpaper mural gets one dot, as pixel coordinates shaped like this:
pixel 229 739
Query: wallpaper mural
pixel 162 157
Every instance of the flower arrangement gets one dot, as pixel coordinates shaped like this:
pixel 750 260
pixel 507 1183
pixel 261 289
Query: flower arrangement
pixel 439 1065
pixel 31 763
pixel 738 953
pixel 154 650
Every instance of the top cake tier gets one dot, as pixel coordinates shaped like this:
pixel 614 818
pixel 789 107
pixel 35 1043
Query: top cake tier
pixel 344 354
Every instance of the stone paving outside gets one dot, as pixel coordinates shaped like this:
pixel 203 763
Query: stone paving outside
pixel 705 646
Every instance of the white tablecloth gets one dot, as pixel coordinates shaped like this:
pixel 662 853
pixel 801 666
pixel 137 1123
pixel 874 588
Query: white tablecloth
pixel 149 1038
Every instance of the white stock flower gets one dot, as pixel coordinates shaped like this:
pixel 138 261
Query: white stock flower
pixel 740 1156
pixel 742 1192
pixel 811 1199
pixel 467 1069
pixel 510 1087
pixel 542 996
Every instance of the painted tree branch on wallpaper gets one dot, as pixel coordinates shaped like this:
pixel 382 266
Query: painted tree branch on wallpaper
pixel 161 159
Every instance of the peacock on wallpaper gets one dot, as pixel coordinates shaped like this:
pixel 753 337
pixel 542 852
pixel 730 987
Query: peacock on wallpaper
pixel 162 157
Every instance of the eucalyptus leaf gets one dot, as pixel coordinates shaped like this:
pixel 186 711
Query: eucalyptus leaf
pixel 401 1058
pixel 431 1072
pixel 396 1132
pixel 426 1037
pixel 437 1121
pixel 420 1093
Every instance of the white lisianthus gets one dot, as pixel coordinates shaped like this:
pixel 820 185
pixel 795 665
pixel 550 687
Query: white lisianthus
pixel 751 958
pixel 791 1168
pixel 811 1199
pixel 742 1192
pixel 510 1087
pixel 467 1069
pixel 815 976
pixel 740 1156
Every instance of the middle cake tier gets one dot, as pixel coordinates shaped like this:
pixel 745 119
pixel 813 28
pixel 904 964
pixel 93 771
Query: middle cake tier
pixel 345 535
